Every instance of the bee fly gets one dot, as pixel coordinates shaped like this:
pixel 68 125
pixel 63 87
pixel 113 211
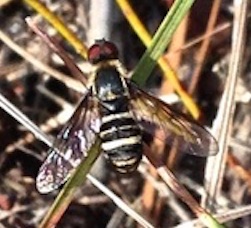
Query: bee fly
pixel 121 114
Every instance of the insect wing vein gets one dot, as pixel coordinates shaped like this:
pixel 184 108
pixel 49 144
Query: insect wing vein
pixel 153 115
pixel 70 147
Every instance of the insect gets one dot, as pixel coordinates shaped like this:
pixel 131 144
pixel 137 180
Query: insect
pixel 121 114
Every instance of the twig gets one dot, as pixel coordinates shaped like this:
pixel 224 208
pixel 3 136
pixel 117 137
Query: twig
pixel 222 125
pixel 69 82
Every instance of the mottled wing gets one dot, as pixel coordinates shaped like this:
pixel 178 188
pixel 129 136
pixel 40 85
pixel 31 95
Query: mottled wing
pixel 70 146
pixel 157 118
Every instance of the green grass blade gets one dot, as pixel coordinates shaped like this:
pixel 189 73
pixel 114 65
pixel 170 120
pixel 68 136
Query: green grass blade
pixel 160 40
pixel 66 194
pixel 210 221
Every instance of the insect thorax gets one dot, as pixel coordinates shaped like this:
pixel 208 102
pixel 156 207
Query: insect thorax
pixel 111 90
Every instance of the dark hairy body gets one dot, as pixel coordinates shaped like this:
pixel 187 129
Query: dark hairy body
pixel 120 134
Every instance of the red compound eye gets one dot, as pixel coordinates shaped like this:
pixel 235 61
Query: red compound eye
pixel 102 50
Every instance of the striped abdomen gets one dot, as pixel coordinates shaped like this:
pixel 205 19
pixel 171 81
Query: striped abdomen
pixel 120 134
pixel 121 141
